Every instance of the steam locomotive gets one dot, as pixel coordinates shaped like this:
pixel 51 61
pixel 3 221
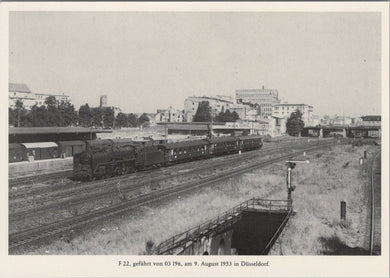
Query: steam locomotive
pixel 97 163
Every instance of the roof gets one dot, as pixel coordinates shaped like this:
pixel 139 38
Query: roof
pixel 55 130
pixel 371 118
pixel 39 145
pixel 203 126
pixel 54 95
pixel 122 140
pixel 293 104
pixel 18 87
pixel 71 143
pixel 250 137
pixel 205 98
pixel 222 139
pixel 184 144
pixel 99 142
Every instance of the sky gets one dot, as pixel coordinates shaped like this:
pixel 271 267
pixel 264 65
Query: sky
pixel 144 61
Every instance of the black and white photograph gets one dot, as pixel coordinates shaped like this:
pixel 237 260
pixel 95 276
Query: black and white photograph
pixel 239 136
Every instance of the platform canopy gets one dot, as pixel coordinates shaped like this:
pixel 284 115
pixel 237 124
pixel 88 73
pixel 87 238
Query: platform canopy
pixel 40 145
pixel 52 134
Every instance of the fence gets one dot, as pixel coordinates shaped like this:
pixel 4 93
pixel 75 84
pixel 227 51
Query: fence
pixel 222 222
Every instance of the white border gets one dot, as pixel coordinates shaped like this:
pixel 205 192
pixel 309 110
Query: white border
pixel 287 266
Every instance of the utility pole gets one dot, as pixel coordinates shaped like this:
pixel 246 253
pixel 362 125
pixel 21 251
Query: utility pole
pixel 166 132
pixel 18 117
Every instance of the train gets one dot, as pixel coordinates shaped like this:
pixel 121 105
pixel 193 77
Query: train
pixel 102 162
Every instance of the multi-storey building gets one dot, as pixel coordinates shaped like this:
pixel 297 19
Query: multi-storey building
pixel 103 101
pixel 217 104
pixel 284 110
pixel 264 98
pixel 40 98
pixel 245 111
pixel 19 91
pixel 169 115
pixel 22 93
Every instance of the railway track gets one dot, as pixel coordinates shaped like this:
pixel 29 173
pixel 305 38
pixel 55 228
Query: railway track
pixel 38 178
pixel 100 189
pixel 25 198
pixel 71 185
pixel 40 233
pixel 375 217
pixel 31 179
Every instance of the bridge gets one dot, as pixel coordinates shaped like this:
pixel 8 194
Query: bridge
pixel 250 228
pixel 343 130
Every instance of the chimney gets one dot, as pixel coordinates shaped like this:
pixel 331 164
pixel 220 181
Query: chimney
pixel 263 87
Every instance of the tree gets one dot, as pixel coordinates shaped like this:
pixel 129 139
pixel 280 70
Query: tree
pixel 203 113
pixel 85 115
pixel 132 120
pixel 68 114
pixel 96 116
pixel 227 116
pixel 11 116
pixel 38 116
pixel 295 123
pixel 53 116
pixel 51 102
pixel 16 115
pixel 143 120
pixel 121 120
pixel 108 116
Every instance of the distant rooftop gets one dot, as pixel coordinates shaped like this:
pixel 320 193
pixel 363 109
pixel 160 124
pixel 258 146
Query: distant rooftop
pixel 292 104
pixel 371 118
pixel 218 98
pixel 18 87
pixel 44 94
pixel 55 130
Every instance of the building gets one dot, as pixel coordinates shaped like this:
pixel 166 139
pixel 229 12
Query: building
pixel 40 98
pixel 264 98
pixel 103 101
pixel 341 120
pixel 169 115
pixel 370 120
pixel 316 120
pixel 217 104
pixel 20 91
pixel 284 110
pixel 277 126
pixel 152 118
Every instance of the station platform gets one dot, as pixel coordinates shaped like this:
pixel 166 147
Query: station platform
pixel 25 168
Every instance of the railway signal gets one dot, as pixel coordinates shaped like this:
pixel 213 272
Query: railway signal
pixel 290 166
